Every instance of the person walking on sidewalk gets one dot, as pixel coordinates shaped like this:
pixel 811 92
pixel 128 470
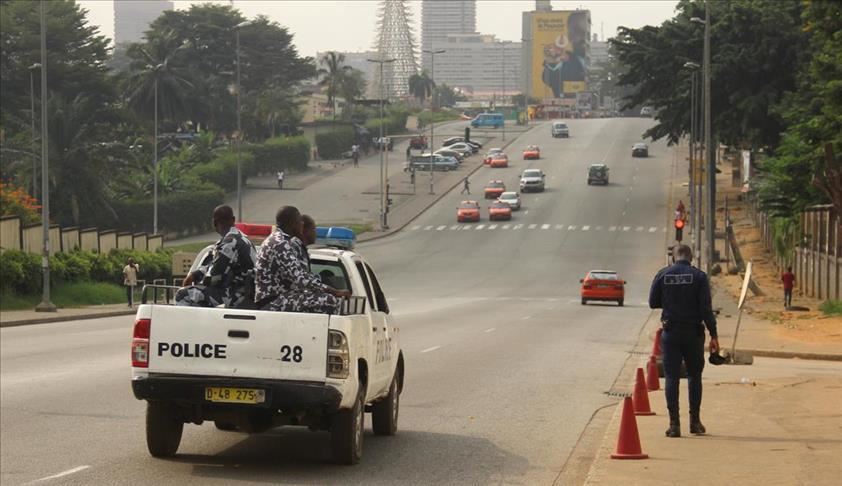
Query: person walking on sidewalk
pixel 280 179
pixel 355 153
pixel 466 186
pixel 409 152
pixel 683 292
pixel 788 278
pixel 130 279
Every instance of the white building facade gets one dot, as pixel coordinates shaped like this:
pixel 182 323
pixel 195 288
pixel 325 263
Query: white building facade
pixel 440 18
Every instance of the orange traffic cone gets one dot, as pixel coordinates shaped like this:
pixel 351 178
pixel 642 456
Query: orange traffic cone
pixel 652 382
pixel 641 395
pixel 628 443
pixel 656 346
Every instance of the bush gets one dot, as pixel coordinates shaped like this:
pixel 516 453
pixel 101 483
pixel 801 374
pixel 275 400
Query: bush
pixel 222 170
pixel 393 124
pixel 831 307
pixel 183 211
pixel 280 153
pixel 333 143
pixel 20 272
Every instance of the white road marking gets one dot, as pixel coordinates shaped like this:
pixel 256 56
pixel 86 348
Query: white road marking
pixel 517 227
pixel 492 226
pixel 63 473
pixel 506 226
pixel 598 228
pixel 653 229
pixel 628 199
pixel 480 226
pixel 428 228
pixel 532 226
pixel 441 227
pixel 624 213
pixel 571 228
pixel 639 228
pixel 545 226
pixel 613 228
pixel 586 228
pixel 526 212
pixel 454 227
pixel 626 228
pixel 559 226
pixel 430 349
pixel 490 329
pixel 416 227
pixel 525 318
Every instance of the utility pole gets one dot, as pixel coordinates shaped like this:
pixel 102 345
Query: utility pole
pixel 432 53
pixel 694 108
pixel 383 218
pixel 46 305
pixel 32 68
pixel 155 161
pixel 710 216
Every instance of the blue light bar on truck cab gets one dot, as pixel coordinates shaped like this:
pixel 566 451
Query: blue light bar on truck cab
pixel 335 236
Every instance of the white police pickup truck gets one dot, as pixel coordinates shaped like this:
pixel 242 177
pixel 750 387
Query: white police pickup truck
pixel 251 370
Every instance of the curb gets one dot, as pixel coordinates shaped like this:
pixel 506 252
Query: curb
pixel 769 353
pixel 438 198
pixel 80 317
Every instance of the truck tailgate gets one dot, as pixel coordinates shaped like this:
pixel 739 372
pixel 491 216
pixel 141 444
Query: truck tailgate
pixel 238 343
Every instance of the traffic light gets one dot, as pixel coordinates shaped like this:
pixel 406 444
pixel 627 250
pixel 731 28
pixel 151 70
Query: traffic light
pixel 679 229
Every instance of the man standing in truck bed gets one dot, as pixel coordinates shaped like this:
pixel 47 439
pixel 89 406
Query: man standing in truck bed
pixel 283 281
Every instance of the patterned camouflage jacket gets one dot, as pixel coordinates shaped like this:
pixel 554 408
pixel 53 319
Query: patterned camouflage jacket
pixel 230 271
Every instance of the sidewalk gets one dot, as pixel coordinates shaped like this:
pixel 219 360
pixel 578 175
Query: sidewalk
pixel 26 317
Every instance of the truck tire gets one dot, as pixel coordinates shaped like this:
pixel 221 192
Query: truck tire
pixel 163 429
pixel 226 426
pixel 346 433
pixel 620 302
pixel 384 414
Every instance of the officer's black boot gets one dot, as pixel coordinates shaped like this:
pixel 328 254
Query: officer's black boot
pixel 675 425
pixel 696 426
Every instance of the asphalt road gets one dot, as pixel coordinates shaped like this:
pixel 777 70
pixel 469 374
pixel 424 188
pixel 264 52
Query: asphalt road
pixel 504 365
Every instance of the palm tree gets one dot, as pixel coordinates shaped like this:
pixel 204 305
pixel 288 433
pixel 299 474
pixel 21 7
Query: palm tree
pixel 421 86
pixel 333 74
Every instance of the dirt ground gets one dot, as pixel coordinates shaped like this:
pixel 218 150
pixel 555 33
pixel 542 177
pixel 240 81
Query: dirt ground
pixel 806 326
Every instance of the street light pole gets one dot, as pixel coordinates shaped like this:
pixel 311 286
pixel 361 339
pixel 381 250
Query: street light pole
pixel 46 305
pixel 503 97
pixel 693 68
pixel 432 53
pixel 383 218
pixel 155 161
pixel 710 162
pixel 239 136
pixel 32 68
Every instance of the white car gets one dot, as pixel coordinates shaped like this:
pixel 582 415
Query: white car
pixel 560 130
pixel 511 198
pixel 253 370
pixel 463 147
pixel 532 180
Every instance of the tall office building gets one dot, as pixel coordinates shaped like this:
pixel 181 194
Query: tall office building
pixel 440 18
pixel 132 18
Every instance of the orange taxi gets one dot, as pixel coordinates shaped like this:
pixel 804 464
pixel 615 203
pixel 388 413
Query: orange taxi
pixel 468 211
pixel 499 211
pixel 490 155
pixel 532 152
pixel 494 189
pixel 603 285
pixel 499 160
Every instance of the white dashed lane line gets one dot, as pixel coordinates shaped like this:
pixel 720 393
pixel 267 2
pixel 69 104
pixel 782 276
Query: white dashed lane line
pixel 490 329
pixel 430 349
pixel 61 474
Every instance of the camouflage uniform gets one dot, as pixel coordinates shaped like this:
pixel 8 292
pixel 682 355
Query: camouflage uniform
pixel 284 282
pixel 225 277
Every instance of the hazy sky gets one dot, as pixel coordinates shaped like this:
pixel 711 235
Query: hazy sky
pixel 349 25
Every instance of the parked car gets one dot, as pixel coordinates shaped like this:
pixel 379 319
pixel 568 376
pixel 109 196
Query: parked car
pixel 462 146
pixel 451 153
pixel 439 163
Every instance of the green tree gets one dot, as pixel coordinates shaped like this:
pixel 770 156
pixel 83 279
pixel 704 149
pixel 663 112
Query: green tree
pixel 352 87
pixel 421 86
pixel 333 73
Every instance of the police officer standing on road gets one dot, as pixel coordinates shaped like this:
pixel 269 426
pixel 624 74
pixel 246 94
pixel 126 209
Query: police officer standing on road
pixel 683 292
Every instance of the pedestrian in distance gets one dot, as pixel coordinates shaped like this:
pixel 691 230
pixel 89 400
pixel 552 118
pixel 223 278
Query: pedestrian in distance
pixel 355 153
pixel 466 186
pixel 130 279
pixel 683 293
pixel 788 278
pixel 412 176
pixel 280 179
pixel 408 152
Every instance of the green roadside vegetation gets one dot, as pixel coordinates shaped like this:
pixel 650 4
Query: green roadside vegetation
pixel 831 307
pixel 190 247
pixel 79 294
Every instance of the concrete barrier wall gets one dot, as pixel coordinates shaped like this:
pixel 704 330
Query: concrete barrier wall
pixel 89 239
pixel 155 242
pixel 125 241
pixel 70 238
pixel 32 237
pixel 140 241
pixel 107 241
pixel 10 237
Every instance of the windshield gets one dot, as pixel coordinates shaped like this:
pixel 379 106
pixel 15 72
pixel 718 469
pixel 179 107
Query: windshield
pixel 495 184
pixel 603 276
pixel 508 195
pixel 532 173
pixel 500 205
pixel 468 206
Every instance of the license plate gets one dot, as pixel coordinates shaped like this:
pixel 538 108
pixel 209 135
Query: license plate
pixel 234 395
pixel 605 286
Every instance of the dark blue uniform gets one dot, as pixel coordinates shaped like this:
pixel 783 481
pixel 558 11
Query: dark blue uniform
pixel 683 292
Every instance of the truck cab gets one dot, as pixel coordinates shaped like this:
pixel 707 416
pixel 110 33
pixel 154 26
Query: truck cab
pixel 253 370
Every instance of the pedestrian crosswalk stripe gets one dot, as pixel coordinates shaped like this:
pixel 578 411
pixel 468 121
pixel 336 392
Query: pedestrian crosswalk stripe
pixel 480 226
pixel 613 228
pixel 559 226
pixel 428 228
pixel 506 226
pixel 639 228
pixel 586 228
pixel 453 228
pixel 441 227
pixel 598 228
pixel 414 228
pixel 517 227
pixel 532 226
pixel 653 229
pixel 626 228
pixel 571 228
pixel 545 226
pixel 492 226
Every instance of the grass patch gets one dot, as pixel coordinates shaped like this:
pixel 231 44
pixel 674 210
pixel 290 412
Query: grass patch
pixel 831 307
pixel 80 294
pixel 190 247
pixel 359 229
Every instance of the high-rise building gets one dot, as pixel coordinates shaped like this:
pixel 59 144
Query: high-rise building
pixel 132 18
pixel 479 64
pixel 440 18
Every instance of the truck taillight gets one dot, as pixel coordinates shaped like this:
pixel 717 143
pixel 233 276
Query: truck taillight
pixel 338 357
pixel 140 343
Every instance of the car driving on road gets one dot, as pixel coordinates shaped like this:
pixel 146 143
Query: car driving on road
pixel 640 149
pixel 494 189
pixel 511 198
pixel 603 285
pixel 532 180
pixel 532 152
pixel 499 160
pixel 490 154
pixel 499 211
pixel 468 211
pixel 598 174
pixel 560 130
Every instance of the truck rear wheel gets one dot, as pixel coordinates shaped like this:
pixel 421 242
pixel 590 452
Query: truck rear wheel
pixel 346 432
pixel 384 414
pixel 163 429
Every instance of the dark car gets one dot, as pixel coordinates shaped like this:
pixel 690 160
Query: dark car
pixel 640 150
pixel 598 174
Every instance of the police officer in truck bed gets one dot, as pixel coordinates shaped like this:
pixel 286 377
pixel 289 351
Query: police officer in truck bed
pixel 683 292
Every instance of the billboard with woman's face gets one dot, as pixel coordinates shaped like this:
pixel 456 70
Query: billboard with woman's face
pixel 559 52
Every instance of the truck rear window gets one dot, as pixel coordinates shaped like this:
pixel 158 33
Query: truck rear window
pixel 331 273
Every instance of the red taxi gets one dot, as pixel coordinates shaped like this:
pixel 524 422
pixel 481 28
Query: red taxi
pixel 499 160
pixel 490 154
pixel 468 211
pixel 532 152
pixel 499 211
pixel 603 285
pixel 494 189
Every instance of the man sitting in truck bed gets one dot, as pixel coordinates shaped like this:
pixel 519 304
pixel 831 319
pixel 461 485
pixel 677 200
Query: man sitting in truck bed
pixel 283 281
pixel 227 275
